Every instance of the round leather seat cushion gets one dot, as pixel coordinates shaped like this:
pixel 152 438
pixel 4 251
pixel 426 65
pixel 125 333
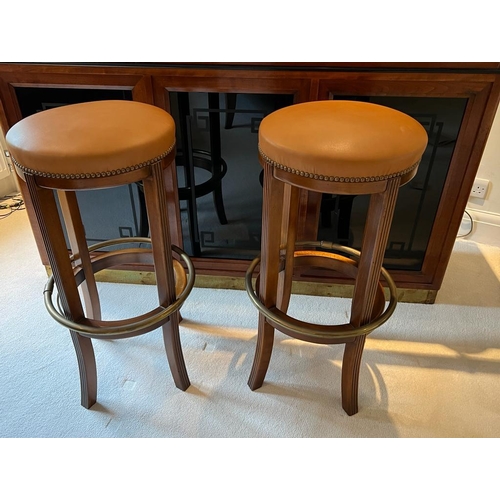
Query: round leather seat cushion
pixel 342 139
pixel 91 137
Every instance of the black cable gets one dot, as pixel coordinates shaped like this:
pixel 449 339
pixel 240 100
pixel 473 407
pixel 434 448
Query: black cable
pixel 471 226
pixel 11 203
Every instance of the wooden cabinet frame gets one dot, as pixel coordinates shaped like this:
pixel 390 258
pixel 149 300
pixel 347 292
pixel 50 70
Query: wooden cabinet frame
pixel 151 83
pixel 237 83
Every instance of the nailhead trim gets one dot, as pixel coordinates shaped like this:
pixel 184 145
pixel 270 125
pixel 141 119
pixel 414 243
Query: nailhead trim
pixel 336 179
pixel 93 175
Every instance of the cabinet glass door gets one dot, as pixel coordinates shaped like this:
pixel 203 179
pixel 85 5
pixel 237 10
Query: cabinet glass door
pixel 342 218
pixel 217 153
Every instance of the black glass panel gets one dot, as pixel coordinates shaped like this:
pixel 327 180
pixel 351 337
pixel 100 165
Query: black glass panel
pixel 34 99
pixel 217 152
pixel 342 218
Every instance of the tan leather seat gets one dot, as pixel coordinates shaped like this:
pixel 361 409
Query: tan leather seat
pixel 342 141
pixel 96 139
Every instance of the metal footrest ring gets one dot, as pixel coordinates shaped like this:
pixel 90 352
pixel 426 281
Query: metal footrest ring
pixel 128 327
pixel 323 334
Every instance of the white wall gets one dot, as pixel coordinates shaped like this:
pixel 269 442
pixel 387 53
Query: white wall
pixel 8 184
pixel 486 213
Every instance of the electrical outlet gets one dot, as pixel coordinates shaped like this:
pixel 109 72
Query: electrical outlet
pixel 479 188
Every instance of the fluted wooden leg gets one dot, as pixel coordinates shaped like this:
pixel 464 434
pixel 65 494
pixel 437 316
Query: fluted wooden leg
pixel 263 352
pixel 173 211
pixel 377 227
pixel 351 365
pixel 269 269
pixel 173 348
pixel 47 217
pixel 87 368
pixel 289 222
pixel 76 235
pixel 172 202
pixel 157 207
pixel 83 345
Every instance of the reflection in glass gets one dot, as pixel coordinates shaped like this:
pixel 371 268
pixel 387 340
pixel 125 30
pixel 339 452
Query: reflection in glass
pixel 217 153
pixel 342 218
pixel 217 137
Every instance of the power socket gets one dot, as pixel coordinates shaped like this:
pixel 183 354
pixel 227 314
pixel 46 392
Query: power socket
pixel 479 188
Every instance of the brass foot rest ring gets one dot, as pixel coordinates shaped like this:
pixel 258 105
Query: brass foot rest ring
pixel 323 334
pixel 128 327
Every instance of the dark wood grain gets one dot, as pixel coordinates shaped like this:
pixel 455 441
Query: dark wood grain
pixel 78 244
pixel 156 201
pixel 377 226
pixel 269 270
pixel 289 223
pixel 47 216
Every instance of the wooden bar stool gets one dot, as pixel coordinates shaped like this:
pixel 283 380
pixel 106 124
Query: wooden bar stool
pixel 342 148
pixel 98 145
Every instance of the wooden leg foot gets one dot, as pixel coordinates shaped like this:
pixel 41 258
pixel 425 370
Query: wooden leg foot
pixel 263 353
pixel 87 368
pixel 175 357
pixel 351 365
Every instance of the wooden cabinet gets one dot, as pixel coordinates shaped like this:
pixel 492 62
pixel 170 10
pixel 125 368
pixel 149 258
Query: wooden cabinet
pixel 217 108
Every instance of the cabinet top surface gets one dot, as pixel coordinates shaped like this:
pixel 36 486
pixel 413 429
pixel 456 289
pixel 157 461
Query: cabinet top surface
pixel 306 66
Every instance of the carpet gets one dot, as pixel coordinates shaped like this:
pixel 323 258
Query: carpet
pixel 432 371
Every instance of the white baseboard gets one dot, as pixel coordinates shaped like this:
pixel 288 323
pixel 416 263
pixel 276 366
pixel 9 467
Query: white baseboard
pixel 485 227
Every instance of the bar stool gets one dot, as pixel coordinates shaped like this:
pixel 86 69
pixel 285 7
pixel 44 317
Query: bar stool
pixel 98 145
pixel 342 148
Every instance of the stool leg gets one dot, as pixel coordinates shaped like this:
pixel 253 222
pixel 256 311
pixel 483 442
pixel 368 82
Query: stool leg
pixel 55 244
pixel 174 215
pixel 173 211
pixel 269 268
pixel 377 227
pixel 87 368
pixel 76 236
pixel 157 207
pixel 290 217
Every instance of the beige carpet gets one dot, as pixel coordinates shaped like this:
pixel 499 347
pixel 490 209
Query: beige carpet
pixel 431 371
